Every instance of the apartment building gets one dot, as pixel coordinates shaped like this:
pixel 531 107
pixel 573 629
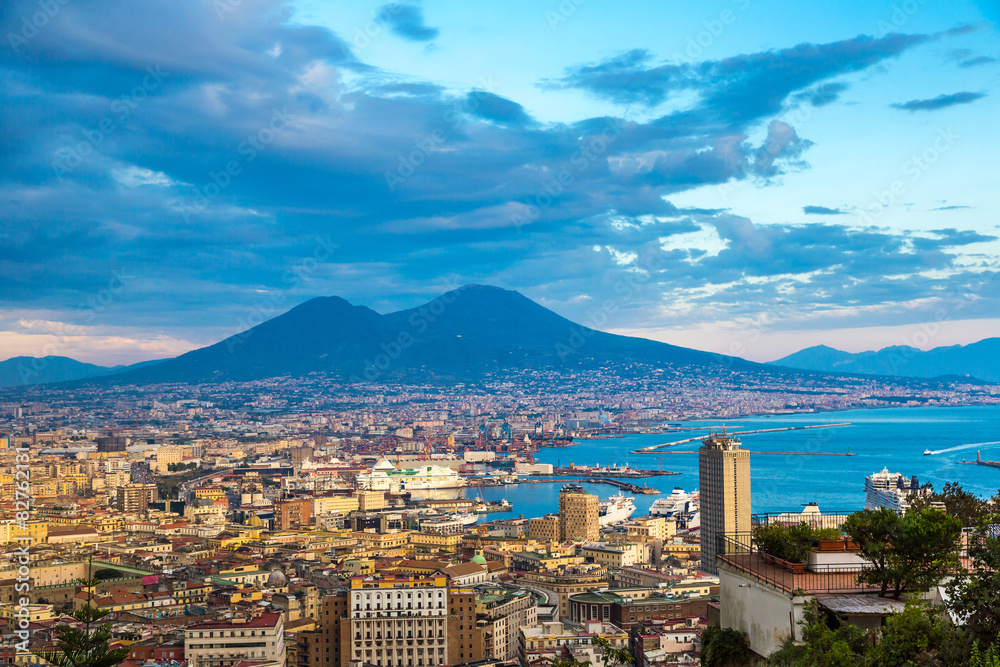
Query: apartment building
pixel 227 643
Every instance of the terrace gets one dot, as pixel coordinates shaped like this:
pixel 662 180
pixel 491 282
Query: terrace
pixel 828 566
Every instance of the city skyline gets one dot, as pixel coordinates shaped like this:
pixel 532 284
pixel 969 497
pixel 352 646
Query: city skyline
pixel 734 173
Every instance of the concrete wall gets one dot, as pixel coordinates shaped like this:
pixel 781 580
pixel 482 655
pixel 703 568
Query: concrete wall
pixel 769 616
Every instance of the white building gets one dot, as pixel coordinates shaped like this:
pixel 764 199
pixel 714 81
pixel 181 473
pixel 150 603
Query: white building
pixel 227 643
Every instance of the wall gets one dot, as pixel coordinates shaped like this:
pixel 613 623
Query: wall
pixel 766 614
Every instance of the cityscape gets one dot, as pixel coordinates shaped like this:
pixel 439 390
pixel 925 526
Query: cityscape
pixel 420 334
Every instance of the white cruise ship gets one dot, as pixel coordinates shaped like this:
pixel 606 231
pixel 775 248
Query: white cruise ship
pixel 678 502
pixel 892 490
pixel 615 509
pixel 426 482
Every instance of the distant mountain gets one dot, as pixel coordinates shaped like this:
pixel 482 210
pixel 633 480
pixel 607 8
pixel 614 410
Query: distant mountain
pixel 23 371
pixel 978 360
pixel 461 334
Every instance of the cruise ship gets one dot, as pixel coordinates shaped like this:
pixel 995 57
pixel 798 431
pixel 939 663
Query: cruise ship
pixel 615 509
pixel 424 483
pixel 892 490
pixel 677 503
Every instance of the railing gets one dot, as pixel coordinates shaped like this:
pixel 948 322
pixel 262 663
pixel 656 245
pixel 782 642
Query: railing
pixel 839 575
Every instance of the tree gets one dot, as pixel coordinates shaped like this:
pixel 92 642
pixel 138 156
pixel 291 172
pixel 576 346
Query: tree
pixel 724 647
pixel 86 646
pixel 988 658
pixel 912 552
pixel 974 594
pixel 873 531
pixel 958 502
pixel 918 635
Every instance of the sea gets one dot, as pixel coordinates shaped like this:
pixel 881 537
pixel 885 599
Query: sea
pixel 893 438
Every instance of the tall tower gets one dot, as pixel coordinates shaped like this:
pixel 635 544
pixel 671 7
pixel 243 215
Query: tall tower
pixel 724 481
pixel 578 512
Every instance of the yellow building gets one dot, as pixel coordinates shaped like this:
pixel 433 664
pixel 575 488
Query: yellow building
pixel 651 528
pixel 545 528
pixel 578 514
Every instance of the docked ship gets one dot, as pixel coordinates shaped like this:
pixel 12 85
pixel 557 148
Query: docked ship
pixel 423 483
pixel 615 509
pixel 892 490
pixel 677 503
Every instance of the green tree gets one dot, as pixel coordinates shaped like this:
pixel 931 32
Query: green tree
pixel 822 646
pixel 724 647
pixel 912 552
pixel 958 502
pixel 86 646
pixel 919 635
pixel 873 531
pixel 988 658
pixel 974 594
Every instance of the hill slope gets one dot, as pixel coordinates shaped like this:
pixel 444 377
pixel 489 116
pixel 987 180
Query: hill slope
pixel 23 371
pixel 978 360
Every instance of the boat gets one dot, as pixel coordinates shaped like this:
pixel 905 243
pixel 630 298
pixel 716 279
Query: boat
pixel 615 509
pixel 927 452
pixel 678 502
pixel 892 490
pixel 423 483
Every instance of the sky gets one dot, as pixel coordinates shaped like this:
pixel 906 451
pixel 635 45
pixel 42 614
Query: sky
pixel 740 176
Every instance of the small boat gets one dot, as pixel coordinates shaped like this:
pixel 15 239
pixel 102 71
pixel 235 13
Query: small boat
pixel 927 452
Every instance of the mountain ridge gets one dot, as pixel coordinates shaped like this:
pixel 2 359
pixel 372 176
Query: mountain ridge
pixel 979 360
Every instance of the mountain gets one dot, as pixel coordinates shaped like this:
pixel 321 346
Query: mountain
pixel 22 371
pixel 978 360
pixel 459 335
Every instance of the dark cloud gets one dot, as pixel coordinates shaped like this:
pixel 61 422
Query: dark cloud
pixel 822 95
pixel 493 107
pixel 822 210
pixel 939 102
pixel 965 58
pixel 740 88
pixel 268 144
pixel 407 21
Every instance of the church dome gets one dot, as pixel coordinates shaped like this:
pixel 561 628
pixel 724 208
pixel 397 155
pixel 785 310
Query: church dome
pixel 479 559
pixel 277 579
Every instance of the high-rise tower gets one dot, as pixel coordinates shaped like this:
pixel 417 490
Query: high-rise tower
pixel 724 481
pixel 578 512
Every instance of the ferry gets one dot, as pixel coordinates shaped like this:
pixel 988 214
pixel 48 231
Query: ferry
pixel 678 502
pixel 615 509
pixel 424 483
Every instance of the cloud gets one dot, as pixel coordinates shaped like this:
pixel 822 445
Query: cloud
pixel 950 208
pixel 965 58
pixel 407 21
pixel 939 102
pixel 822 210
pixel 493 107
pixel 823 94
pixel 386 189
pixel 740 88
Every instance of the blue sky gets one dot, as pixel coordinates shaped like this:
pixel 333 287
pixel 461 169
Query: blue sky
pixel 741 176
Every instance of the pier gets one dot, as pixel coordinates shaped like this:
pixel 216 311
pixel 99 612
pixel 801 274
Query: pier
pixel 624 486
pixel 755 452
pixel 980 462
pixel 656 449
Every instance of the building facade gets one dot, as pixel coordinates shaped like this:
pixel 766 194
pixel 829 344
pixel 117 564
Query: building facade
pixel 260 639
pixel 724 480
pixel 578 514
